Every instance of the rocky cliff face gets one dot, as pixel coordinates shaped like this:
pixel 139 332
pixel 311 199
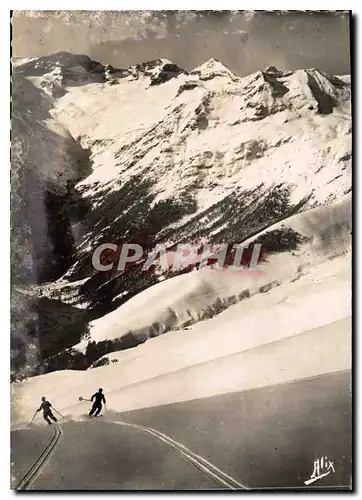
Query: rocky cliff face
pixel 155 154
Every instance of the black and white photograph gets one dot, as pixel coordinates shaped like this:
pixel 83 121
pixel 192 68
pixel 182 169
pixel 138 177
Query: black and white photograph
pixel 181 250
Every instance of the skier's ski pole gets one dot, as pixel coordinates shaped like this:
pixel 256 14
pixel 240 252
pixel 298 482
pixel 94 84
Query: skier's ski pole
pixel 83 399
pixel 58 412
pixel 33 417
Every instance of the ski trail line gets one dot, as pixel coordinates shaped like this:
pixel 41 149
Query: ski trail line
pixel 200 463
pixel 38 465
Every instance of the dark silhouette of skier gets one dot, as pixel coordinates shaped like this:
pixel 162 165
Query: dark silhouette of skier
pixel 47 412
pixel 97 405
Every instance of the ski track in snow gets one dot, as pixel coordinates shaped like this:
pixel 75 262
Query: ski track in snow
pixel 204 466
pixel 33 472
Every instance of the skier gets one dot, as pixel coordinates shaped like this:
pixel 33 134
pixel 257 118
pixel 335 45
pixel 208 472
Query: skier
pixel 47 412
pixel 97 405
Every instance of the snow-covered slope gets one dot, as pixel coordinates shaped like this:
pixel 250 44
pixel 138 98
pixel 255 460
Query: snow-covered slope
pixel 174 157
pixel 199 295
pixel 297 330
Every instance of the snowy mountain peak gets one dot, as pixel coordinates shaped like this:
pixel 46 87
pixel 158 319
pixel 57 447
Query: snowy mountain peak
pixel 303 91
pixel 273 69
pixel 212 69
pixel 157 71
pixel 62 69
pixel 65 60
pixel 165 72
